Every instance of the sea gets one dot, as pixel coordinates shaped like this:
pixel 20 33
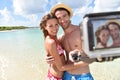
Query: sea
pixel 22 57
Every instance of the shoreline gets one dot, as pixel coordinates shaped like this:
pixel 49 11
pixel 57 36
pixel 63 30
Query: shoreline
pixel 2 28
pixel 7 29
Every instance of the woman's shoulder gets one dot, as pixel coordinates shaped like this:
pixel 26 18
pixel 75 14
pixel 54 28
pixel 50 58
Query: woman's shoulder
pixel 49 41
pixel 99 45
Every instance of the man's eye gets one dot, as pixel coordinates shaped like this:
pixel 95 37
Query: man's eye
pixel 65 15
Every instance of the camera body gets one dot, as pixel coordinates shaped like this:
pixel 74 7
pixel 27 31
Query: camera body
pixel 76 56
pixel 90 25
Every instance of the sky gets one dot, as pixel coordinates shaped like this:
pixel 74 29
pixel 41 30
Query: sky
pixel 30 12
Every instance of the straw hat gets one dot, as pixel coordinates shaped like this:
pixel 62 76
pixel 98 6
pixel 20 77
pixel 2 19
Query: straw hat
pixel 112 21
pixel 61 5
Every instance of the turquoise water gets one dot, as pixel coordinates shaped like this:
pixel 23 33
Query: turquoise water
pixel 22 57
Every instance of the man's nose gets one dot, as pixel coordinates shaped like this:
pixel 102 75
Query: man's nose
pixel 62 20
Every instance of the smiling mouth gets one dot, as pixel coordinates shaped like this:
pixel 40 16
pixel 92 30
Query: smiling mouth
pixel 55 31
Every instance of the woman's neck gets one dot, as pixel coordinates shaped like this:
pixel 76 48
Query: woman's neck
pixel 103 44
pixel 53 37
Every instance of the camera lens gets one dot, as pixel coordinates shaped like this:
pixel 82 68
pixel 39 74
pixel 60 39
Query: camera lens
pixel 74 56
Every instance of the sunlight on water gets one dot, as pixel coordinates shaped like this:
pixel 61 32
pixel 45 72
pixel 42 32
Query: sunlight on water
pixel 22 55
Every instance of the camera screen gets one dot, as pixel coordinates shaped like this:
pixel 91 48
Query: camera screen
pixel 104 32
pixel 101 34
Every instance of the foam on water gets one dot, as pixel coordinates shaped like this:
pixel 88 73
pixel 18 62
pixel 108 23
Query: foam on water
pixel 3 66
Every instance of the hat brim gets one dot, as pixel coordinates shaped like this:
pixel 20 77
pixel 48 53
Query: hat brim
pixel 110 21
pixel 61 6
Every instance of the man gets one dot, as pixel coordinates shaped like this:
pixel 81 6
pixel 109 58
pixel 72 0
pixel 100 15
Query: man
pixel 70 41
pixel 114 28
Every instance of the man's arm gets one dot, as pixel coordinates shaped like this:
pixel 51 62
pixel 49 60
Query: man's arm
pixel 49 59
pixel 76 56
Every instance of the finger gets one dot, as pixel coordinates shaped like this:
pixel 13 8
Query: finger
pixel 49 57
pixel 50 61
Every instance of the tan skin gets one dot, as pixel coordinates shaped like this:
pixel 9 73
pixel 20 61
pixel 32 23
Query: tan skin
pixel 59 65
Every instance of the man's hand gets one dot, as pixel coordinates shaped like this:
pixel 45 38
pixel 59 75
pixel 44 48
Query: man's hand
pixel 77 55
pixel 49 59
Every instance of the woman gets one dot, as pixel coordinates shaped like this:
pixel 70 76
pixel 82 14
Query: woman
pixel 102 37
pixel 49 26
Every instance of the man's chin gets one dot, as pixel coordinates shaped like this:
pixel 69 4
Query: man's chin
pixel 64 27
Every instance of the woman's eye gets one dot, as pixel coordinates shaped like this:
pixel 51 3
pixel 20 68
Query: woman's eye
pixel 56 24
pixel 50 26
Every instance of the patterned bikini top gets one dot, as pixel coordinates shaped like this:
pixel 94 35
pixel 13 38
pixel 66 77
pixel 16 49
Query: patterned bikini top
pixel 60 50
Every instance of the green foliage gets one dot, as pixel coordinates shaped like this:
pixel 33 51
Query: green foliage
pixel 12 27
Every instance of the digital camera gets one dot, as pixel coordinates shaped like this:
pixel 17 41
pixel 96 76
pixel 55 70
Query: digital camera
pixel 76 57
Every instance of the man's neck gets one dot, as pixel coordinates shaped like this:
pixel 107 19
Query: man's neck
pixel 69 29
pixel 116 41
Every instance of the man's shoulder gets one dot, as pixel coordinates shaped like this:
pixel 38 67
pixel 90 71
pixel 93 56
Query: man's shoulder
pixel 76 26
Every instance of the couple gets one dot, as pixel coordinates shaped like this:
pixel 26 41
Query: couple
pixel 103 33
pixel 64 68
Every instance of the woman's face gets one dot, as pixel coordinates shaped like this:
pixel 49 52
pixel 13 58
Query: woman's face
pixel 104 36
pixel 52 27
pixel 114 31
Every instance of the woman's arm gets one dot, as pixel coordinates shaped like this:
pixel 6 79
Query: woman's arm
pixel 58 62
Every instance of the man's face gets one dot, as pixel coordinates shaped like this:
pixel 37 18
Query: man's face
pixel 63 18
pixel 114 31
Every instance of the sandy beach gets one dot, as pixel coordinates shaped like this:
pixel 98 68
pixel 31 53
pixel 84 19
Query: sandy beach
pixel 106 70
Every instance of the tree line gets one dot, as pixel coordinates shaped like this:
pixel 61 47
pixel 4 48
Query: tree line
pixel 12 27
